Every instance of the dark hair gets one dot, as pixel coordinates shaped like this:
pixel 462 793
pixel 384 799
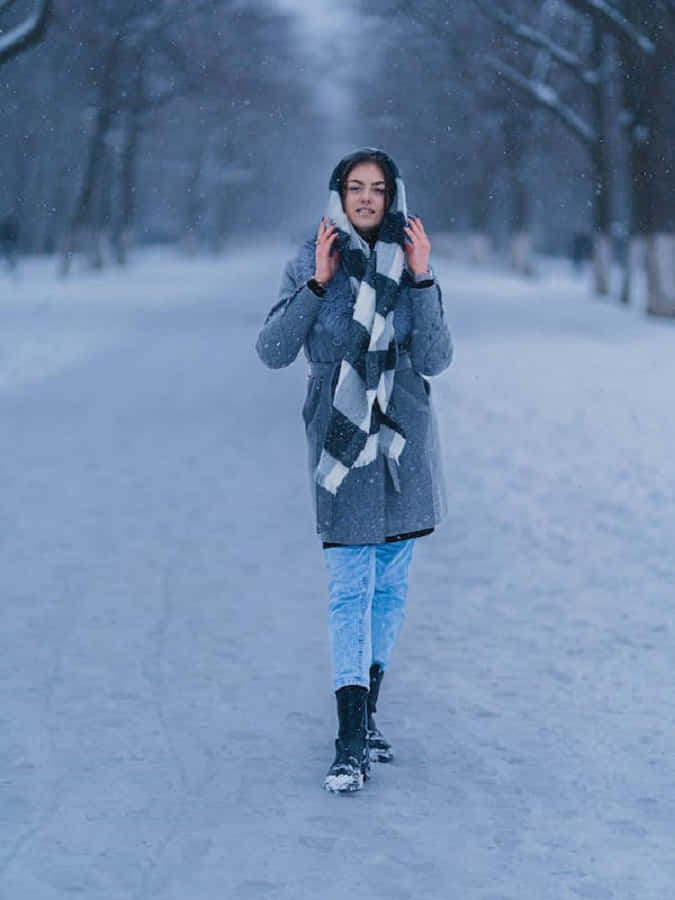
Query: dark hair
pixel 367 154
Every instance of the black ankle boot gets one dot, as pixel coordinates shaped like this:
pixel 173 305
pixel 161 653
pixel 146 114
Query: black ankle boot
pixel 351 766
pixel 379 748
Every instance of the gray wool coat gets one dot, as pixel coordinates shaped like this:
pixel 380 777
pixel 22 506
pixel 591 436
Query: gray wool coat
pixel 367 508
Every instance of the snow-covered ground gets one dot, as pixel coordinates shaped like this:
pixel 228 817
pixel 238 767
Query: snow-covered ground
pixel 166 713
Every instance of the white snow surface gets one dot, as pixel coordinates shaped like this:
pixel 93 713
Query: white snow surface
pixel 166 709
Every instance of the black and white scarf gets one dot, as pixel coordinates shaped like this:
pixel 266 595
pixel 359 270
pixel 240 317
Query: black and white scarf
pixel 361 422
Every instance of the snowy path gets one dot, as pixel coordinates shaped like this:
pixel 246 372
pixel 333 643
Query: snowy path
pixel 166 716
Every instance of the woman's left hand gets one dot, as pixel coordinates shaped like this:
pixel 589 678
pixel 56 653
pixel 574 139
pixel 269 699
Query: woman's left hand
pixel 418 247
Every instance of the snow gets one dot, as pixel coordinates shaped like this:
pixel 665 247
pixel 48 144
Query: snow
pixel 342 783
pixel 166 715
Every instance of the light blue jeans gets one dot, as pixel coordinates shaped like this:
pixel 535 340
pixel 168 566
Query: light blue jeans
pixel 367 587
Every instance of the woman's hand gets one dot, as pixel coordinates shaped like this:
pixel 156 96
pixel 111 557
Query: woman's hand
pixel 327 260
pixel 418 247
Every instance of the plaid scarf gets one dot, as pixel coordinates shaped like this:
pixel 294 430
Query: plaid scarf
pixel 362 421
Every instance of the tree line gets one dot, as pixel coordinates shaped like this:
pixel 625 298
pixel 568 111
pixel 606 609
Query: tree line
pixel 146 122
pixel 538 121
pixel 528 125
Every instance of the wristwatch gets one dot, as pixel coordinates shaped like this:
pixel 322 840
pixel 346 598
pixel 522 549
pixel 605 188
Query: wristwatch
pixel 316 287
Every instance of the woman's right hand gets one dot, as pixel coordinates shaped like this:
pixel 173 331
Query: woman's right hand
pixel 326 260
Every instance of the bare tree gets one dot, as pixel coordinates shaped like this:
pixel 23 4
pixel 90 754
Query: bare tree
pixel 125 39
pixel 146 122
pixel 478 142
pixel 645 35
pixel 417 77
pixel 648 85
pixel 584 60
pixel 13 42
pixel 100 117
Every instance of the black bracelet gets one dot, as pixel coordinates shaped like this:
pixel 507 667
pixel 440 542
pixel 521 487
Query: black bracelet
pixel 316 287
pixel 428 282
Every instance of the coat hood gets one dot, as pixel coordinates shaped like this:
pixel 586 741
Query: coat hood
pixel 391 227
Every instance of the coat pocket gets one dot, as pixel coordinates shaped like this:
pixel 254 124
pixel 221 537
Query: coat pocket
pixel 312 398
pixel 416 387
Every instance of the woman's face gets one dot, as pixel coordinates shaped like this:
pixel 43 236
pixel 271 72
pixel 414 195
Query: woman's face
pixel 365 196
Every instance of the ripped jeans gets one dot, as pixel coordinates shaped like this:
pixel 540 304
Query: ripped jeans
pixel 368 584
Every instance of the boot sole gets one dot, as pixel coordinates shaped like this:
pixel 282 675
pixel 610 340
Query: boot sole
pixel 381 756
pixel 341 784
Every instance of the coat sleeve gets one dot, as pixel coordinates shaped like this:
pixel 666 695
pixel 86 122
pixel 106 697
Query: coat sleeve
pixel 288 322
pixel 430 342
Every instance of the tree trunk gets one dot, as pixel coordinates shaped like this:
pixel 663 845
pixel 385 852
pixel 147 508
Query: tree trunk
pixel 101 214
pixel 659 183
pixel 479 241
pixel 602 256
pixel 635 266
pixel 129 156
pixel 660 262
pixel 520 253
pixel 104 113
pixel 123 227
pixel 194 202
pixel 649 91
pixel 516 133
pixel 602 263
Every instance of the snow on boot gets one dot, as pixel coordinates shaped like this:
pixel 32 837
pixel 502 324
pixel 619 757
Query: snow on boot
pixel 379 748
pixel 351 766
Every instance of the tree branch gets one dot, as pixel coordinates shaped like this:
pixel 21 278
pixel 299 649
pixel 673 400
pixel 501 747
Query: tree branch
pixel 571 60
pixel 618 23
pixel 172 15
pixel 27 33
pixel 6 4
pixel 547 97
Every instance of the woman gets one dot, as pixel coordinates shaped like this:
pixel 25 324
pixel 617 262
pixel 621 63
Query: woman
pixel 363 301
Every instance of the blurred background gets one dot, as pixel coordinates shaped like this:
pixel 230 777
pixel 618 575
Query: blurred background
pixel 522 127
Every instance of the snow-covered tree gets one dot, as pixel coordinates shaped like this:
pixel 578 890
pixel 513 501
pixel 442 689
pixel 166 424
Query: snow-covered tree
pixel 164 120
pixel 645 36
pixel 160 121
pixel 124 37
pixel 482 151
pixel 568 76
pixel 417 95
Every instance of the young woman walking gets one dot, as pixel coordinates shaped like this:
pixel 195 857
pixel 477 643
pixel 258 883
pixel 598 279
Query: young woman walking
pixel 361 299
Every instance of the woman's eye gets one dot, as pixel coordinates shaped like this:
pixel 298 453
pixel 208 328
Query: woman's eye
pixel 379 190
